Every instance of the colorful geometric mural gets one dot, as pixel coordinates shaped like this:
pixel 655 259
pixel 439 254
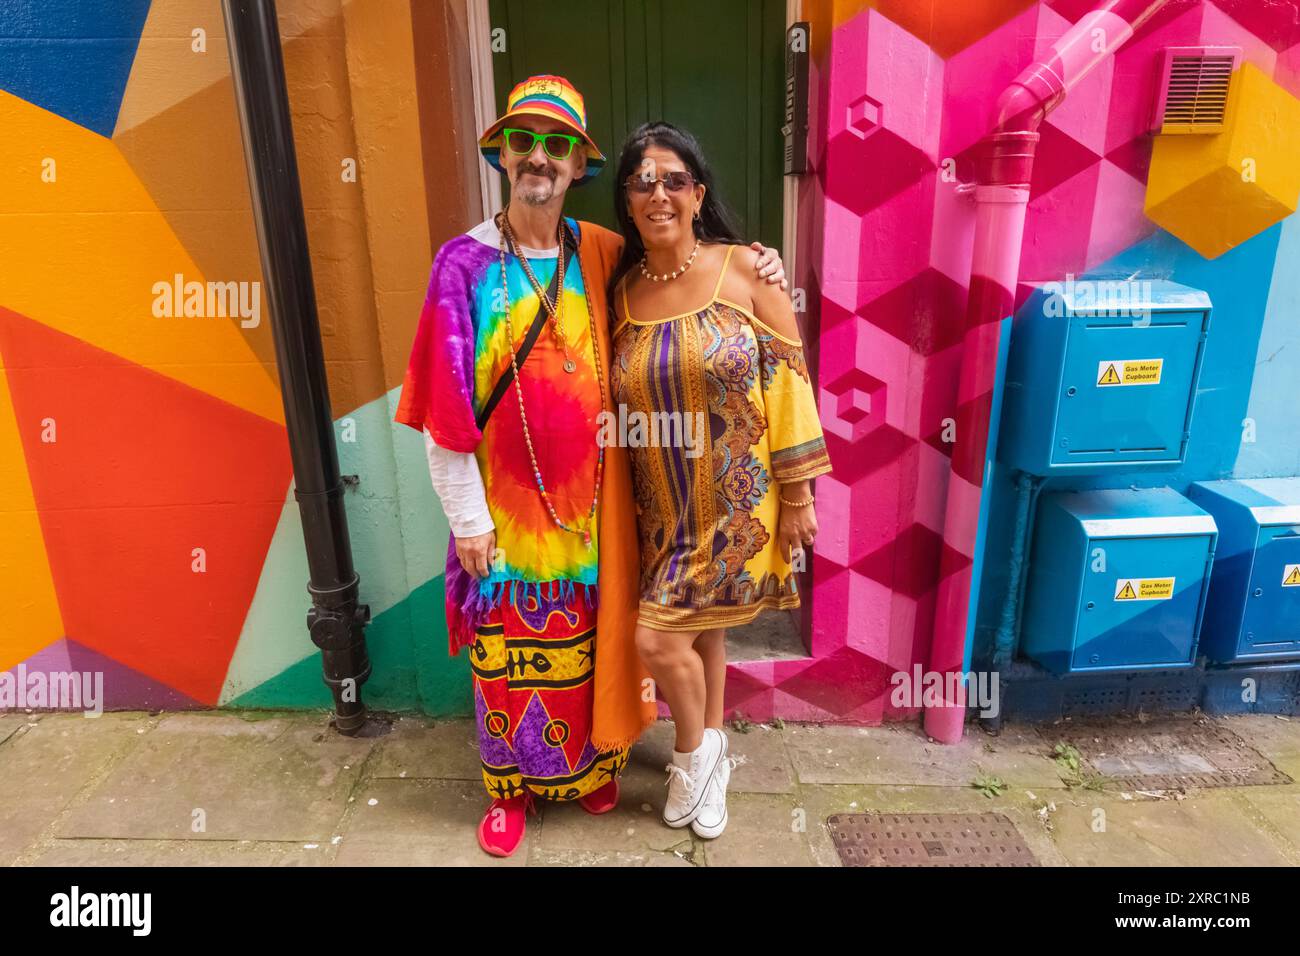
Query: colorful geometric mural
pixel 904 92
pixel 149 526
pixel 1249 170
pixel 150 530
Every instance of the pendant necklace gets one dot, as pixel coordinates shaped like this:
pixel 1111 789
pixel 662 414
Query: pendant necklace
pixel 585 527
pixel 553 309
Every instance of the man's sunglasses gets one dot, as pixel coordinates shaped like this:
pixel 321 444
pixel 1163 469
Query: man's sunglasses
pixel 674 182
pixel 521 142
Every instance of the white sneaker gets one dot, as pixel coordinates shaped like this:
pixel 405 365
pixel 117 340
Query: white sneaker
pixel 687 786
pixel 712 818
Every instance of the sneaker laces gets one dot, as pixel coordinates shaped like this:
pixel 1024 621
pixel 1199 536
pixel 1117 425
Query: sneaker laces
pixel 677 773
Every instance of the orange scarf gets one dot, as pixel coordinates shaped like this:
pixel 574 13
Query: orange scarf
pixel 621 713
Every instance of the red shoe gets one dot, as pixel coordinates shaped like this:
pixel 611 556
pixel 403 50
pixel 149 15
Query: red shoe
pixel 602 800
pixel 502 829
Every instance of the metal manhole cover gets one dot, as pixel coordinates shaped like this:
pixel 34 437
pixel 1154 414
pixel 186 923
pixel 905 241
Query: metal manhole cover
pixel 928 839
pixel 1167 754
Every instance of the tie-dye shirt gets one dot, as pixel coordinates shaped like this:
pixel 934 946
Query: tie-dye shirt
pixel 461 349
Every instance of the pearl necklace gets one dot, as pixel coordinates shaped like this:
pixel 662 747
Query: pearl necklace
pixel 668 276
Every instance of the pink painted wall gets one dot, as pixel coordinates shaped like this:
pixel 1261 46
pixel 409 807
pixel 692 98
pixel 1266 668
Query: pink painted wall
pixel 901 96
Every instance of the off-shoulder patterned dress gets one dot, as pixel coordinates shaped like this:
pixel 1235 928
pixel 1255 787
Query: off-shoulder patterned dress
pixel 707 521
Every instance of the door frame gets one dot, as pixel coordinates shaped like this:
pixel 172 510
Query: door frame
pixel 790 184
pixel 481 77
pixel 483 81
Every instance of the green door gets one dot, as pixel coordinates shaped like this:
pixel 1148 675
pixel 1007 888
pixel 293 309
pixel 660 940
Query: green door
pixel 715 68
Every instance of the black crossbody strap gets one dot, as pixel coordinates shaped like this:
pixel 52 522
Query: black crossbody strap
pixel 569 249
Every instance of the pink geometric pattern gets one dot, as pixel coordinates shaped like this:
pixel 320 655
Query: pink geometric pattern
pixel 894 128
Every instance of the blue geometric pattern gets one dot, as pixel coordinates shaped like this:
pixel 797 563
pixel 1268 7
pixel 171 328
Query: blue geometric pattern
pixel 71 57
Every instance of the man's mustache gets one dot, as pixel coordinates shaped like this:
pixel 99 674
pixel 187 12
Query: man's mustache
pixel 546 171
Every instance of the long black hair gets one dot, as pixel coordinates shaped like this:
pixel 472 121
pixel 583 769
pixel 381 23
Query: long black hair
pixel 715 223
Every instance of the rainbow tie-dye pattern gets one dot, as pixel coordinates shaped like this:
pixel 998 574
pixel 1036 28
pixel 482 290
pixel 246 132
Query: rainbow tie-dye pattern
pixel 460 351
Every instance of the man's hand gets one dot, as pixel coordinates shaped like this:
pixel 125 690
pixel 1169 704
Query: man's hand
pixel 769 265
pixel 476 553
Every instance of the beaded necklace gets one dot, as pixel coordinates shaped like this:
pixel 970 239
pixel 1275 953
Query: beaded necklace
pixel 507 236
pixel 669 276
pixel 553 309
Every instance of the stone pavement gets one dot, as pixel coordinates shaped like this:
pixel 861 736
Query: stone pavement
pixel 254 788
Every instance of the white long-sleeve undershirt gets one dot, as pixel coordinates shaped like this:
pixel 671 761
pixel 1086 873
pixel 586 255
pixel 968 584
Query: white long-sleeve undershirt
pixel 459 486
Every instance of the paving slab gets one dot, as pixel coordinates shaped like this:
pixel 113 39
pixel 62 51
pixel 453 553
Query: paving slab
pixel 891 754
pixel 182 853
pixel 10 723
pixel 1277 738
pixel 1020 806
pixel 1279 807
pixel 764 765
pixel 424 748
pixel 44 765
pixel 568 858
pixel 283 778
pixel 421 823
pixel 1018 755
pixel 284 789
pixel 634 826
pixel 1207 828
pixel 763 829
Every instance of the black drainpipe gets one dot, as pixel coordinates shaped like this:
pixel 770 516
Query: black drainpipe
pixel 336 621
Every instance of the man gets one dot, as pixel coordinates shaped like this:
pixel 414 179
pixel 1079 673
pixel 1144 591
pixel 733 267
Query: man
pixel 507 379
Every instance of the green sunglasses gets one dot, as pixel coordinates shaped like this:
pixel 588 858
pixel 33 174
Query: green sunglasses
pixel 521 142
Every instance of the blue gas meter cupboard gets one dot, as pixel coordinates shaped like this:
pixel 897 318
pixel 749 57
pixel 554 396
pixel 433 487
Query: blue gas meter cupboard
pixel 1102 374
pixel 1253 611
pixel 1117 581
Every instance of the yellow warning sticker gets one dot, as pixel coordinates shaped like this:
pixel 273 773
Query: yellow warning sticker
pixel 1144 589
pixel 1129 371
pixel 1291 576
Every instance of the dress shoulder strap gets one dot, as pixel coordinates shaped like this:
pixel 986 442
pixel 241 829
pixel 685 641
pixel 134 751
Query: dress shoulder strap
pixel 722 274
pixel 622 290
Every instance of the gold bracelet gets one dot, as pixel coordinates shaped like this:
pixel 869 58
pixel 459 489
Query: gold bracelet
pixel 795 504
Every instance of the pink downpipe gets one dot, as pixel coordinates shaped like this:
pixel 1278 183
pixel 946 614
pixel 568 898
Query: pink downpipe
pixel 1001 197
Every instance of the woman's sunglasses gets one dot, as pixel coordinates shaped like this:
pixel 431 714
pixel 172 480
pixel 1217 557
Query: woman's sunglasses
pixel 521 142
pixel 674 182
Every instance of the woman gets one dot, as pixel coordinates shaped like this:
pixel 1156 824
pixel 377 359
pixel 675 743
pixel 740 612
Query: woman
pixel 699 339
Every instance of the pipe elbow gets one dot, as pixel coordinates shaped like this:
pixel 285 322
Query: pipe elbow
pixel 1029 98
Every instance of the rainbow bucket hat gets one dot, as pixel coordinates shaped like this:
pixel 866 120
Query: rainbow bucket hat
pixel 550 96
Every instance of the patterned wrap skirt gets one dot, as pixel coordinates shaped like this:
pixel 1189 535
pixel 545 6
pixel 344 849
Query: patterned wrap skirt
pixel 532 663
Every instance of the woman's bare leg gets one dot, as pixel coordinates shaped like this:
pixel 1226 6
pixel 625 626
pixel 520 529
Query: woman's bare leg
pixel 711 645
pixel 678 672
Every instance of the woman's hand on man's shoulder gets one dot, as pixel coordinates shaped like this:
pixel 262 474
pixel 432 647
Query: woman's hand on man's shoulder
pixel 772 304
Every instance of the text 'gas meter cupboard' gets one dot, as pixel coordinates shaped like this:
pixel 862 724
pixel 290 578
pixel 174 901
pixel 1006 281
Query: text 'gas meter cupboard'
pixel 1253 611
pixel 1102 375
pixel 1118 580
